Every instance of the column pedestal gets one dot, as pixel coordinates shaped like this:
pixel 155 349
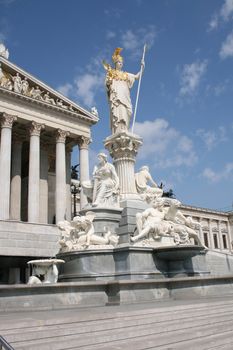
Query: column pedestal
pixel 123 148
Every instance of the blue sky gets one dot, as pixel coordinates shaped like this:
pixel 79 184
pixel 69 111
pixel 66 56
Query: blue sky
pixel 185 111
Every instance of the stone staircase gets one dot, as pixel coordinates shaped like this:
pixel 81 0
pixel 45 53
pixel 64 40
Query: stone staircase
pixel 191 324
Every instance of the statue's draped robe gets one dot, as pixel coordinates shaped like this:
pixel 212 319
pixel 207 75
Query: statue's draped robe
pixel 120 101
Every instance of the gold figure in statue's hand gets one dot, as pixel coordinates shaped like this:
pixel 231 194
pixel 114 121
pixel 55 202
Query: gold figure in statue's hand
pixel 118 84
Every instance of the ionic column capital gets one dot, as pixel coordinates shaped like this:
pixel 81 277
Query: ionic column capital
pixel 83 142
pixel 61 135
pixel 35 128
pixel 7 120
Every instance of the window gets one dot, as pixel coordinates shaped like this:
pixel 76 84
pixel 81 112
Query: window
pixel 206 240
pixel 215 241
pixel 224 239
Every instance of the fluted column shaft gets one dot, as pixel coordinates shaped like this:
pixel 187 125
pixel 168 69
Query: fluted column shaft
pixel 5 164
pixel 60 175
pixel 16 167
pixel 83 166
pixel 68 182
pixel 44 165
pixel 34 173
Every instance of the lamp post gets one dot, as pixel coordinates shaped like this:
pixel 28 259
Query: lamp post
pixel 75 185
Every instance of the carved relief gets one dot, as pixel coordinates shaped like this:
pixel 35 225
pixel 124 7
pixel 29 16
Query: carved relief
pixel 35 129
pixel 84 142
pixel 20 84
pixel 61 135
pixel 7 120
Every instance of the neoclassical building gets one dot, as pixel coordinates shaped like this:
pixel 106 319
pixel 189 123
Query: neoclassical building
pixel 39 128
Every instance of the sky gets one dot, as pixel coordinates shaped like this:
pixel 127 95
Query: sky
pixel 185 109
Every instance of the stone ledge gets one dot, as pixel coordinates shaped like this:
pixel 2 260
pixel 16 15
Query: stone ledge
pixel 100 293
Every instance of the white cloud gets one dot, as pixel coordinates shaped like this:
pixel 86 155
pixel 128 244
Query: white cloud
pixel 214 22
pixel 225 14
pixel 212 138
pixel 110 34
pixel 227 10
pixel 165 145
pixel 87 85
pixel 191 76
pixel 133 41
pixel 227 47
pixel 2 37
pixel 65 89
pixel 214 176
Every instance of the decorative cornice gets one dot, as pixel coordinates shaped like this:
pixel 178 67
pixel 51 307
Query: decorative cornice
pixel 7 120
pixel 20 84
pixel 35 129
pixel 83 142
pixel 61 135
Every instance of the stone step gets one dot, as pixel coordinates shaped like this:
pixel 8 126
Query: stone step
pixel 13 321
pixel 64 329
pixel 165 341
pixel 162 333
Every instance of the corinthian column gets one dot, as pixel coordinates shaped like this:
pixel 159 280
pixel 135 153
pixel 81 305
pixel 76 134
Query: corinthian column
pixel 34 173
pixel 5 164
pixel 83 143
pixel 61 175
pixel 15 201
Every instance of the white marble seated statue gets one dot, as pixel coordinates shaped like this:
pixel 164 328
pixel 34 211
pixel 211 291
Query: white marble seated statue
pixel 103 190
pixel 161 220
pixel 147 192
pixel 80 234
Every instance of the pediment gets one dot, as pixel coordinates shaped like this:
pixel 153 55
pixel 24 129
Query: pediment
pixel 17 82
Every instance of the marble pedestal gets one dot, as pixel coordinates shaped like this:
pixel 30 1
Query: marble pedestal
pixel 135 263
pixel 123 148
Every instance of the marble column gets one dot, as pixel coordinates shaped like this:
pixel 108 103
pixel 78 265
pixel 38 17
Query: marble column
pixel 16 167
pixel 230 232
pixel 61 175
pixel 220 241
pixel 68 181
pixel 44 165
pixel 34 173
pixel 212 246
pixel 83 143
pixel 123 148
pixel 5 164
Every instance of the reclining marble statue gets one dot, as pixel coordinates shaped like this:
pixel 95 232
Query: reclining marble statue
pixel 147 193
pixel 118 85
pixel 79 234
pixel 161 220
pixel 103 190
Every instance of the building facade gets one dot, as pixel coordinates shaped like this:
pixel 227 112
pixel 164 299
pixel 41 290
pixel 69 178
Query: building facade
pixel 39 128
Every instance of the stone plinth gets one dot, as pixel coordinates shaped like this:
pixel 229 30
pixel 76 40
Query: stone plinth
pixel 105 217
pixel 123 148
